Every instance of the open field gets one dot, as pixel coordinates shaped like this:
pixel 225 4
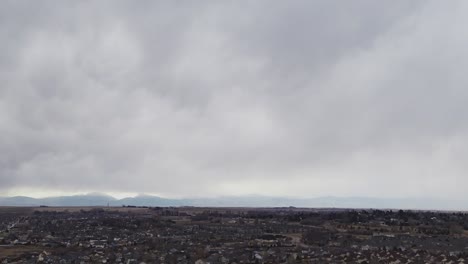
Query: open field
pixel 229 235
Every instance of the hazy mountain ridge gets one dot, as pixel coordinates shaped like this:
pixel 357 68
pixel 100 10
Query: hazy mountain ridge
pixel 243 201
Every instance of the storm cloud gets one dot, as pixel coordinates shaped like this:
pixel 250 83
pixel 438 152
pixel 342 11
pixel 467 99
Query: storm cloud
pixel 207 98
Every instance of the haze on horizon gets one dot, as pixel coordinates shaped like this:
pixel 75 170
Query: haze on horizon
pixel 208 98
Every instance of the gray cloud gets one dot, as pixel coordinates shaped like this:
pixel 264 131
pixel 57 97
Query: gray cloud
pixel 298 98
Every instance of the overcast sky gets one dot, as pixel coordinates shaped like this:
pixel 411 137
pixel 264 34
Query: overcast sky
pixel 208 98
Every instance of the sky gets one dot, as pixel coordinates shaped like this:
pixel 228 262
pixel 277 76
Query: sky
pixel 218 98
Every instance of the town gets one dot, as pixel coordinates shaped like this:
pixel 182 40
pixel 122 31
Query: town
pixel 230 235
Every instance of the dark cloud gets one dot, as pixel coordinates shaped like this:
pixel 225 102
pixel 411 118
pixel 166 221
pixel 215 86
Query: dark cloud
pixel 282 98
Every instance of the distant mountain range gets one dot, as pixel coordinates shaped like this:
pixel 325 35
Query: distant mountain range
pixel 96 199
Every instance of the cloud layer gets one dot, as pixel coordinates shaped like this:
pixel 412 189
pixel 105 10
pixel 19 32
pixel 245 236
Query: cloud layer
pixel 301 98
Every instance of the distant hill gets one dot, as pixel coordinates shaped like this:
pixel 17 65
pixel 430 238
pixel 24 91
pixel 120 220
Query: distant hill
pixel 148 200
pixel 96 199
pixel 74 200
